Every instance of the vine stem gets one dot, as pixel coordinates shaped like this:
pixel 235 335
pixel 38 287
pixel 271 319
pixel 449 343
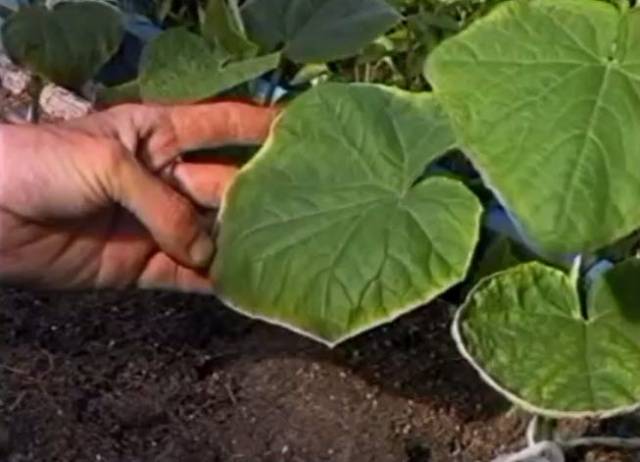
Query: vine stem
pixel 545 451
pixel 613 442
pixel 550 450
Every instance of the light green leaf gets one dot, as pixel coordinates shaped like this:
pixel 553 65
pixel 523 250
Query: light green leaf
pixel 545 97
pixel 181 67
pixel 325 232
pixel 128 92
pixel 220 29
pixel 317 30
pixel 310 72
pixel 524 330
pixel 67 45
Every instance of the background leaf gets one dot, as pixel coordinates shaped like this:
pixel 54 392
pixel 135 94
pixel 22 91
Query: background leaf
pixel 128 92
pixel 221 30
pixel 181 67
pixel 317 30
pixel 524 330
pixel 66 45
pixel 544 96
pixel 327 232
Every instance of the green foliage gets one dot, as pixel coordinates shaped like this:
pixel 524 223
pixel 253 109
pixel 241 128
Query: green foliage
pixel 180 66
pixel 548 110
pixel 345 218
pixel 501 254
pixel 66 45
pixel 317 30
pixel 224 32
pixel 327 232
pixel 525 330
pixel 317 233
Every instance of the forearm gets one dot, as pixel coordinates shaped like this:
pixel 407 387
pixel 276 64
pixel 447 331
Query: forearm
pixel 4 217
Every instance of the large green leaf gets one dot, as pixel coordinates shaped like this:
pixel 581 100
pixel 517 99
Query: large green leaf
pixel 221 30
pixel 326 230
pixel 525 331
pixel 317 30
pixel 66 45
pixel 545 97
pixel 181 67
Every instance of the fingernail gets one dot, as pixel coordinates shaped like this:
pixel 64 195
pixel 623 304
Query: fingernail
pixel 201 250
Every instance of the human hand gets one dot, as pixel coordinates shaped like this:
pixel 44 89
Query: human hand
pixel 105 201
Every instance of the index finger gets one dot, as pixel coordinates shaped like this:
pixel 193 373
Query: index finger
pixel 211 125
pixel 220 124
pixel 158 134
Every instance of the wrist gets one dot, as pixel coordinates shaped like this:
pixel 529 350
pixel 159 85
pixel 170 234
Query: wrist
pixel 4 232
pixel 4 159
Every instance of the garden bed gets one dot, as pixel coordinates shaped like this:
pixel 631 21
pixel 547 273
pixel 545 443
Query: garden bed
pixel 135 376
pixel 142 376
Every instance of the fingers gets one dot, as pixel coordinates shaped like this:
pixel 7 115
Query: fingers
pixel 204 183
pixel 208 126
pixel 168 216
pixel 158 134
pixel 164 273
pixel 218 124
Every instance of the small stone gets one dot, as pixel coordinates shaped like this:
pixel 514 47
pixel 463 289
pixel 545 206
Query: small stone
pixel 13 79
pixel 60 103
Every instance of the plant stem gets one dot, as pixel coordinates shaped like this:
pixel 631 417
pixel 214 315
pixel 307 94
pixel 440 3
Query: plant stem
pixel 603 441
pixel 237 16
pixel 367 73
pixel 540 429
pixel 35 90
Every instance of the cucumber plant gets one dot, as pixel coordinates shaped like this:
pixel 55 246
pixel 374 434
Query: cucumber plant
pixel 348 217
pixel 334 227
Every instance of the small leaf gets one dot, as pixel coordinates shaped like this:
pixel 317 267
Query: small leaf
pixel 524 330
pixel 317 30
pixel 326 230
pixel 543 94
pixel 501 253
pixel 67 45
pixel 308 73
pixel 181 67
pixel 128 92
pixel 222 32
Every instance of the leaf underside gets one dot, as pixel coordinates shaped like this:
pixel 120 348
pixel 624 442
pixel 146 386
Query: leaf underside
pixel 314 31
pixel 325 231
pixel 181 67
pixel 544 95
pixel 524 330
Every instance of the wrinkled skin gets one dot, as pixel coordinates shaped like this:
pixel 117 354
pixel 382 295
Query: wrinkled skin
pixel 106 202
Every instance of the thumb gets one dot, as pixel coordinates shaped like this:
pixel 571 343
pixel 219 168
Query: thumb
pixel 170 218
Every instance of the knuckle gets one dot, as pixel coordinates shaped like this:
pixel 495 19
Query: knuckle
pixel 125 109
pixel 182 215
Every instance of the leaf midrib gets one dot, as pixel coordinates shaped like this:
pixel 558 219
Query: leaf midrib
pixel 562 216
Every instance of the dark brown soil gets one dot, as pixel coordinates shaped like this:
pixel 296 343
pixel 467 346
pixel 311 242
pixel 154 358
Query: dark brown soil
pixel 137 377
